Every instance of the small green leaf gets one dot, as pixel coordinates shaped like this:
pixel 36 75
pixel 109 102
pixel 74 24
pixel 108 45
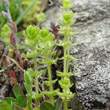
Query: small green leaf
pixel 47 83
pixel 3 102
pixel 61 58
pixel 67 4
pixel 54 81
pixel 60 44
pixel 28 82
pixel 71 57
pixel 40 95
pixel 67 44
pixel 58 104
pixel 10 100
pixel 64 74
pixel 53 93
pixel 41 72
pixel 53 53
pixel 52 61
pixel 17 90
pixel 41 17
pixel 27 78
pixel 59 72
pixel 43 62
pixel 6 107
pixel 32 73
pixel 22 101
pixel 31 32
pixel 46 106
pixel 31 54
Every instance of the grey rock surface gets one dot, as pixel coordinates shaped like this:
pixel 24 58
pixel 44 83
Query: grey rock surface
pixel 92 77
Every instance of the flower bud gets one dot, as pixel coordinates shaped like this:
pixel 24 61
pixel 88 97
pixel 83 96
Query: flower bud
pixel 5 14
pixel 6 3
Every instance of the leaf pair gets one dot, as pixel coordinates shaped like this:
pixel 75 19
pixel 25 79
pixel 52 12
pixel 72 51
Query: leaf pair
pixel 18 103
pixel 48 106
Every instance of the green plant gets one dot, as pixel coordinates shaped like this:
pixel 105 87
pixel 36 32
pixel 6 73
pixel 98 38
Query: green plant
pixel 48 106
pixel 27 9
pixel 35 16
pixel 17 103
pixel 46 44
pixel 42 43
pixel 65 81
pixel 5 33
pixel 31 41
pixel 44 39
pixel 28 86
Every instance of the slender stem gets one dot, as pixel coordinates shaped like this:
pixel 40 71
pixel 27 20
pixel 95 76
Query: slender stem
pixel 64 54
pixel 50 78
pixel 68 48
pixel 29 102
pixel 65 69
pixel 65 104
pixel 36 81
pixel 51 87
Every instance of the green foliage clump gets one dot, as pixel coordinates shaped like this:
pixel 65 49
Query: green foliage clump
pixel 15 6
pixel 17 103
pixel 31 36
pixel 41 43
pixel 46 44
pixel 66 21
pixel 34 15
pixel 44 39
pixel 5 34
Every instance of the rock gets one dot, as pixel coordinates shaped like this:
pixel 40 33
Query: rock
pixel 2 48
pixel 4 91
pixel 52 15
pixel 91 11
pixel 92 49
pixel 76 105
pixel 92 74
